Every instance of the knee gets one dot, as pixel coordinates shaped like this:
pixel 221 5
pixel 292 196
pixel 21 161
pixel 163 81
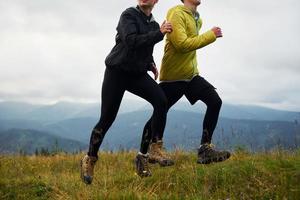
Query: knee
pixel 218 102
pixel 215 103
pixel 105 122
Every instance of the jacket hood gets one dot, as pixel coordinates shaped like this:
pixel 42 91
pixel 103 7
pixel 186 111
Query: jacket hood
pixel 187 10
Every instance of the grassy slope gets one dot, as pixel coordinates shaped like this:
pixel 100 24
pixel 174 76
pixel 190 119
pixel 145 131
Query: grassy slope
pixel 273 175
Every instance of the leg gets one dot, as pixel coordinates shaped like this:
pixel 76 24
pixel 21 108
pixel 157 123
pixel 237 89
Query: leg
pixel 213 103
pixel 200 89
pixel 112 94
pixel 144 86
pixel 146 137
pixel 173 91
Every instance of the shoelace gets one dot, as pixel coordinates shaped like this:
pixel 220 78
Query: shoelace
pixel 211 148
pixel 161 152
pixel 208 148
pixel 145 164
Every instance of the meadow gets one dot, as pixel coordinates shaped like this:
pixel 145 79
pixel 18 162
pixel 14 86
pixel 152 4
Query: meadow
pixel 264 175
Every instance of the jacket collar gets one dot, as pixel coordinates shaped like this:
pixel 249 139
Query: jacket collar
pixel 147 18
pixel 187 10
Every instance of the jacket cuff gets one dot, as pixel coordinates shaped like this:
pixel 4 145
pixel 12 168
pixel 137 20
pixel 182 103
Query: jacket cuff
pixel 210 36
pixel 159 36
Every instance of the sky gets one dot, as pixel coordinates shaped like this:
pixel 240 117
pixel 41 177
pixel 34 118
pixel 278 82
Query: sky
pixel 54 50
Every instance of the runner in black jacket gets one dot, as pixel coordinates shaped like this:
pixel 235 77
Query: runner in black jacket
pixel 126 69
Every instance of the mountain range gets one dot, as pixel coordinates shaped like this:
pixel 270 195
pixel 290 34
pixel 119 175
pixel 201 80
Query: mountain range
pixel 255 128
pixel 31 141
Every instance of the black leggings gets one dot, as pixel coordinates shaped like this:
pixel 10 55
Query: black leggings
pixel 115 83
pixel 197 89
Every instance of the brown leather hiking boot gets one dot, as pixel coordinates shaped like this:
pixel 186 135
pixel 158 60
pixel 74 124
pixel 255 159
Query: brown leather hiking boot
pixel 87 164
pixel 158 155
pixel 207 154
pixel 141 164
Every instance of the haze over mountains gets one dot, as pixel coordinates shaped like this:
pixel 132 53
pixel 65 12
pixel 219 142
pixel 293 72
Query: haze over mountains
pixel 69 125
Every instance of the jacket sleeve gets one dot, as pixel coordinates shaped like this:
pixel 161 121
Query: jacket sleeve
pixel 181 41
pixel 127 29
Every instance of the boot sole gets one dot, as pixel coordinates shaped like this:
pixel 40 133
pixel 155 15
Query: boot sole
pixel 212 160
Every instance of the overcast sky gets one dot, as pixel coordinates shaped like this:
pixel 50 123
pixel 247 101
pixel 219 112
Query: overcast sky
pixel 54 50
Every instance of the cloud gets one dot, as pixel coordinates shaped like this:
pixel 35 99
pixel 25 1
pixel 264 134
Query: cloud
pixel 256 61
pixel 55 50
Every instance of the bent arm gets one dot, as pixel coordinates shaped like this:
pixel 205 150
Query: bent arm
pixel 181 41
pixel 127 29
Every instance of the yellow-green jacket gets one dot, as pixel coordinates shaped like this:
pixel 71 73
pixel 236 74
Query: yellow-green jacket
pixel 179 61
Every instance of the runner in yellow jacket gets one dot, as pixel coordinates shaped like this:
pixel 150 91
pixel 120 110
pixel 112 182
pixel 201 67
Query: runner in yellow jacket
pixel 179 61
pixel 179 76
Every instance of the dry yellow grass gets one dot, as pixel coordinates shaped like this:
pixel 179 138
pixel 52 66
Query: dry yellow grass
pixel 274 175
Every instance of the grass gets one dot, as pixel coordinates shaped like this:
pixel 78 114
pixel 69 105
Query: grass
pixel 272 175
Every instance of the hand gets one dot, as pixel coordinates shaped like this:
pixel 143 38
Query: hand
pixel 217 31
pixel 154 70
pixel 166 27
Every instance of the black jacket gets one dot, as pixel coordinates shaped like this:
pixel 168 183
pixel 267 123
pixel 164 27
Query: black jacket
pixel 136 36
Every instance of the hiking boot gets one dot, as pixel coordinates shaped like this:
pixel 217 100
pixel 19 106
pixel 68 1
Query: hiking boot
pixel 87 165
pixel 158 155
pixel 207 154
pixel 141 164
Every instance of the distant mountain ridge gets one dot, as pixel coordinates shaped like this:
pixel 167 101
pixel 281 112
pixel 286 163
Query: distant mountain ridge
pixel 255 127
pixel 58 111
pixel 68 110
pixel 30 141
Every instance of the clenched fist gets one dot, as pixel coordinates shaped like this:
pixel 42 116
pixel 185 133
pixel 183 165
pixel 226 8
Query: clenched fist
pixel 217 31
